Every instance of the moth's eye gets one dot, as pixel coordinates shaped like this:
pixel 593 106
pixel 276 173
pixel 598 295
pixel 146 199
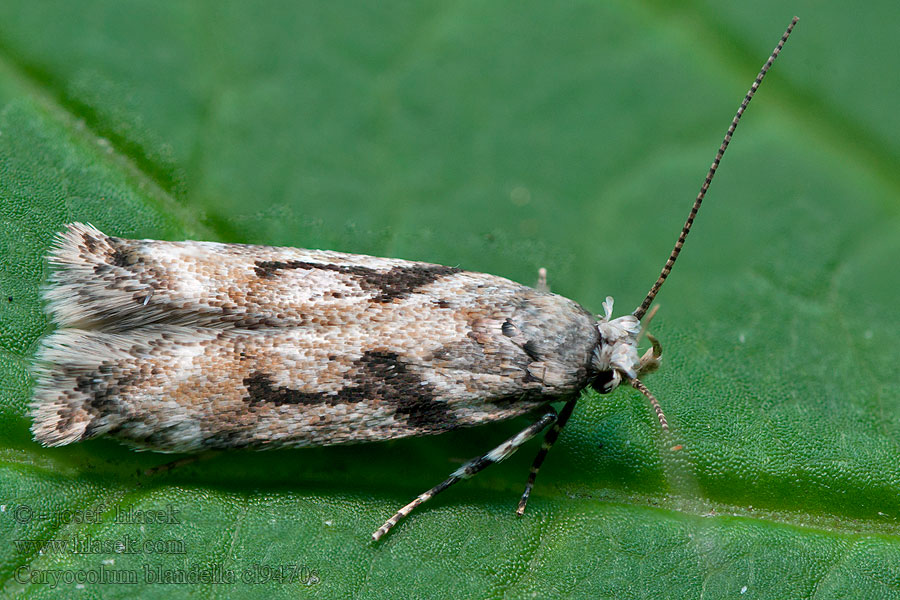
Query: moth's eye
pixel 603 382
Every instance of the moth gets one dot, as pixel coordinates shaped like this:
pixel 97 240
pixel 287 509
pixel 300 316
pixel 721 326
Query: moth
pixel 192 346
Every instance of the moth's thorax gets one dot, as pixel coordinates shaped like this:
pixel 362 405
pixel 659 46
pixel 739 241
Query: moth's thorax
pixel 616 355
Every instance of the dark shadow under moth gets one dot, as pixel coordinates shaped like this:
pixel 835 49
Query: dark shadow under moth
pixel 194 346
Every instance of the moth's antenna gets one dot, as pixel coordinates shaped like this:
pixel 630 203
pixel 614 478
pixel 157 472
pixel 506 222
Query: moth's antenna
pixel 642 309
pixel 639 386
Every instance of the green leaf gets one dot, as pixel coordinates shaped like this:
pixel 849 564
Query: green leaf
pixel 499 137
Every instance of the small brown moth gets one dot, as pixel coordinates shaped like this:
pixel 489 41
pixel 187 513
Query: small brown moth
pixel 193 346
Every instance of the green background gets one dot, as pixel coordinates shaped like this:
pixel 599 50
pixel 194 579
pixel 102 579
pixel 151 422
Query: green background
pixel 500 137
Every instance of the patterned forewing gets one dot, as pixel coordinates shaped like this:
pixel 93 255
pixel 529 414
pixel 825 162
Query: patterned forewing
pixel 185 346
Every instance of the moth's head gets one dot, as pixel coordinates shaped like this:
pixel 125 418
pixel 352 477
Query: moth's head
pixel 616 356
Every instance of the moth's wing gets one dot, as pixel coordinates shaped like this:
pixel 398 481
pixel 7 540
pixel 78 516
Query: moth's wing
pixel 178 388
pixel 251 345
pixel 110 283
pixel 85 380
pixel 187 388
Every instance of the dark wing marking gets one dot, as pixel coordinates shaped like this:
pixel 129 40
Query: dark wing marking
pixel 398 282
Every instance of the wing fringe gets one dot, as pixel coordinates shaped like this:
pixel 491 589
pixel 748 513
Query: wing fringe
pixel 91 286
pixel 68 370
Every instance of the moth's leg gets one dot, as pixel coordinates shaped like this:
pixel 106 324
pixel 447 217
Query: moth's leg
pixel 187 460
pixel 541 284
pixel 549 440
pixel 500 453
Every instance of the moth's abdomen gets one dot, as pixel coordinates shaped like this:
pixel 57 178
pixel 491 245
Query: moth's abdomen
pixel 315 353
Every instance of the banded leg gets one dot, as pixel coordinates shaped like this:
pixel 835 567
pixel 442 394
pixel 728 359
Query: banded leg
pixel 549 440
pixel 498 454
pixel 187 460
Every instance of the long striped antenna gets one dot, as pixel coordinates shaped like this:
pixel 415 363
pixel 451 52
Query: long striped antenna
pixel 642 309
